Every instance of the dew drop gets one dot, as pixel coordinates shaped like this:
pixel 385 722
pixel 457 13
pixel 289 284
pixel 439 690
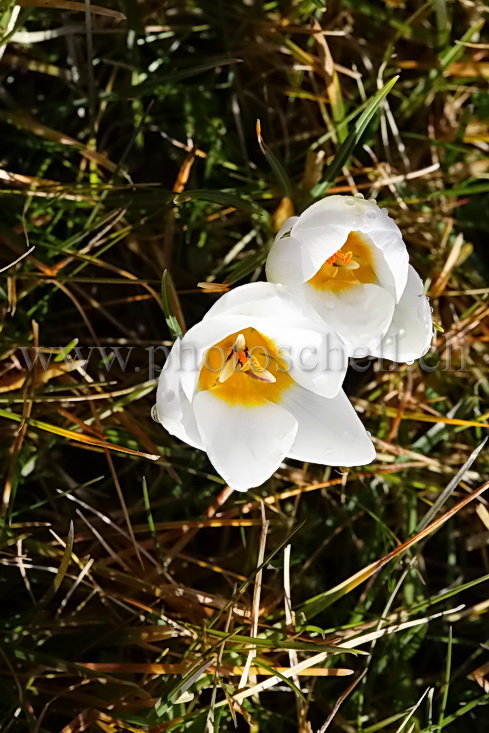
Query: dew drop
pixel 371 214
pixel 349 201
pixel 154 414
pixel 359 195
pixel 410 362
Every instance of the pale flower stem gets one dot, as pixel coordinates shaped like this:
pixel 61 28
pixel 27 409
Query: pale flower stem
pixel 290 621
pixel 256 598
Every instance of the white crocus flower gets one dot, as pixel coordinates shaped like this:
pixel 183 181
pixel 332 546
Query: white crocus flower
pixel 251 384
pixel 346 258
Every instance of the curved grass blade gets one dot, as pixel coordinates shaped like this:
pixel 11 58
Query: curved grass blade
pixel 73 6
pixel 432 512
pixel 352 140
pixel 217 197
pixel 181 74
pixel 65 561
pixel 276 673
pixel 189 679
pixel 237 639
pixel 275 164
pixel 151 523
pixel 78 437
pixel 170 317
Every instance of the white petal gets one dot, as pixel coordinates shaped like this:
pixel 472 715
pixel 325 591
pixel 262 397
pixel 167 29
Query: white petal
pixel 410 333
pixel 361 315
pixel 172 406
pixel 347 212
pixel 169 382
pixel 285 262
pixel 245 445
pixel 391 259
pixel 330 432
pixel 185 427
pixel 295 259
pixel 285 256
pixel 317 359
pixel 262 299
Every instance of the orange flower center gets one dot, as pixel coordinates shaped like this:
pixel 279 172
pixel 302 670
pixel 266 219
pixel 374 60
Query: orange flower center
pixel 351 265
pixel 245 369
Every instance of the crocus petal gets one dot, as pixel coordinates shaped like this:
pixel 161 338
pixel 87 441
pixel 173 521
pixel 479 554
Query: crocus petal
pixel 295 259
pixel 185 427
pixel 261 299
pixel 286 262
pixel 391 259
pixel 245 445
pixel 360 315
pixel 410 333
pixel 173 409
pixel 317 360
pixel 330 431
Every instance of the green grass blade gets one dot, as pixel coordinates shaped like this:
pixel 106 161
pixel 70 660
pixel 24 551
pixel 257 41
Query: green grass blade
pixel 284 679
pixel 170 317
pixel 280 173
pixel 352 140
pixel 63 568
pixel 217 197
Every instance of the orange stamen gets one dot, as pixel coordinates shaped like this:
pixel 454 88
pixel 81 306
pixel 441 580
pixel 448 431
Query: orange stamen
pixel 343 257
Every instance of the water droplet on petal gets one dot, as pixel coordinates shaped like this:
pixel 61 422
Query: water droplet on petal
pixel 359 195
pixel 410 362
pixel 371 214
pixel 349 201
pixel 154 414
